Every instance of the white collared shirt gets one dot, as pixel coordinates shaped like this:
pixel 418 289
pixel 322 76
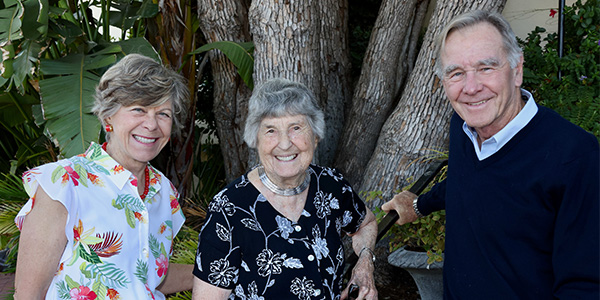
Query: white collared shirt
pixel 495 143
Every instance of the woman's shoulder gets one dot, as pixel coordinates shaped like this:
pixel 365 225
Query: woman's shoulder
pixel 240 185
pixel 327 172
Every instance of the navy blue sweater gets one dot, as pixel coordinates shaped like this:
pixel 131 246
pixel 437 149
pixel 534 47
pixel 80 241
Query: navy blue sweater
pixel 524 222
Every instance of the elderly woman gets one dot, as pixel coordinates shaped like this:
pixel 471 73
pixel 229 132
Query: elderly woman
pixel 101 224
pixel 275 232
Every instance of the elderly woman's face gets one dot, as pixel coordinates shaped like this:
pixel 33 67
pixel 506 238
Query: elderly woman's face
pixel 285 147
pixel 140 132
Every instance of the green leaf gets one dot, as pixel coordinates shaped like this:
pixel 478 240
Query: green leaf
pixel 67 100
pixel 10 22
pixel 139 45
pixel 109 273
pixel 149 9
pixel 90 257
pixel 71 283
pixel 35 19
pixel 141 271
pixel 24 63
pixel 15 108
pixel 238 54
pixel 83 179
pixel 125 15
pixel 57 174
pixel 130 215
pixel 100 289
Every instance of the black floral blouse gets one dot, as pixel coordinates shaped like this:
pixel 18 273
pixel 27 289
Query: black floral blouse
pixel 250 248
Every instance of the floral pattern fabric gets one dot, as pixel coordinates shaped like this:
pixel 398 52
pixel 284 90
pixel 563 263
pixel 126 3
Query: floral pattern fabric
pixel 249 247
pixel 118 244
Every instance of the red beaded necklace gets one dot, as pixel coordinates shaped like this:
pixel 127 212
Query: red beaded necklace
pixel 146 177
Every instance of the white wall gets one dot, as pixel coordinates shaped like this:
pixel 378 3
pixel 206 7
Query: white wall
pixel 525 15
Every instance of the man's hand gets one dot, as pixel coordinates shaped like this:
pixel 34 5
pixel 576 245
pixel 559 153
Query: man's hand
pixel 402 204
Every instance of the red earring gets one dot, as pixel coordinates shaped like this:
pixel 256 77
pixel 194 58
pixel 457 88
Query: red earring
pixel 108 128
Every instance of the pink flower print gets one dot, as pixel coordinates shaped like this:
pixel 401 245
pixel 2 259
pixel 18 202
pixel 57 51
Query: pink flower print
pixel 163 264
pixel 70 174
pixel 134 182
pixel 149 291
pixel 82 293
pixel 174 204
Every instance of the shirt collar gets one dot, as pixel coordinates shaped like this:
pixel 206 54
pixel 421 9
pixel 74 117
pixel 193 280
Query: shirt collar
pixel 498 140
pixel 116 172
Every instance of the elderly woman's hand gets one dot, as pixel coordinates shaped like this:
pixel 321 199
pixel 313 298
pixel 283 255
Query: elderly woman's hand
pixel 362 278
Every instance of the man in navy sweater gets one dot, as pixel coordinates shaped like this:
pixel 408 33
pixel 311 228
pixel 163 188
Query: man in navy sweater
pixel 522 189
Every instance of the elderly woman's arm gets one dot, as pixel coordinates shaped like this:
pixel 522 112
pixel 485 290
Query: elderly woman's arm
pixel 206 291
pixel 179 278
pixel 41 245
pixel 362 274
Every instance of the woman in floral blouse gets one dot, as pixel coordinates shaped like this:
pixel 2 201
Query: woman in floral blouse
pixel 100 225
pixel 275 232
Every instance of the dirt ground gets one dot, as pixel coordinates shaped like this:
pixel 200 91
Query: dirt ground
pixel 401 287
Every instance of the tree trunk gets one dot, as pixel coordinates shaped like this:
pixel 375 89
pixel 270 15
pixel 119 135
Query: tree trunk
pixel 171 33
pixel 378 88
pixel 226 20
pixel 420 121
pixel 305 41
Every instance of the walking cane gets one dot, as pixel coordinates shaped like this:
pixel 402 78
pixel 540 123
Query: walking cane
pixel 390 218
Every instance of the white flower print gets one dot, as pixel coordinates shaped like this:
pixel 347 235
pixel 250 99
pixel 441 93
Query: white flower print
pixel 221 203
pixel 304 288
pixel 269 263
pixel 347 218
pixel 293 263
pixel 324 203
pixel 285 226
pixel 221 273
pixel 331 173
pixel 253 292
pixel 319 244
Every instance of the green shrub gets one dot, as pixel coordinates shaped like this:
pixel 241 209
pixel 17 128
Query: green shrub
pixel 576 95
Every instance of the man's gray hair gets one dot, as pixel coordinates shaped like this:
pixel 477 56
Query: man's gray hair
pixel 140 80
pixel 509 40
pixel 280 97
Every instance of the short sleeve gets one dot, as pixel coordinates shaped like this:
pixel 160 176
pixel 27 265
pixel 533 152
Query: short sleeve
pixel 218 258
pixel 177 215
pixel 58 180
pixel 355 210
pixel 352 207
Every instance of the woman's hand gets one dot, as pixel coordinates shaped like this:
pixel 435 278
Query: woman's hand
pixel 362 274
pixel 362 278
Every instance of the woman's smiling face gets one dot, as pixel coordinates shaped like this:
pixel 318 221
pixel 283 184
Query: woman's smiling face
pixel 286 146
pixel 139 133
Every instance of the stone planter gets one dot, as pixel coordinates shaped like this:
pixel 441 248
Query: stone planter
pixel 428 277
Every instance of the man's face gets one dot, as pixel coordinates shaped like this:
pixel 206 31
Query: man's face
pixel 478 80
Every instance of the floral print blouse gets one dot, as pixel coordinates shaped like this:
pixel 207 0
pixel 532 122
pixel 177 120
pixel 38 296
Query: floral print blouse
pixel 118 244
pixel 249 247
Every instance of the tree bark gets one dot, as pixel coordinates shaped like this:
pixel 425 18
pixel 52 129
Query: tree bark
pixel 227 20
pixel 171 33
pixel 379 86
pixel 420 121
pixel 306 41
